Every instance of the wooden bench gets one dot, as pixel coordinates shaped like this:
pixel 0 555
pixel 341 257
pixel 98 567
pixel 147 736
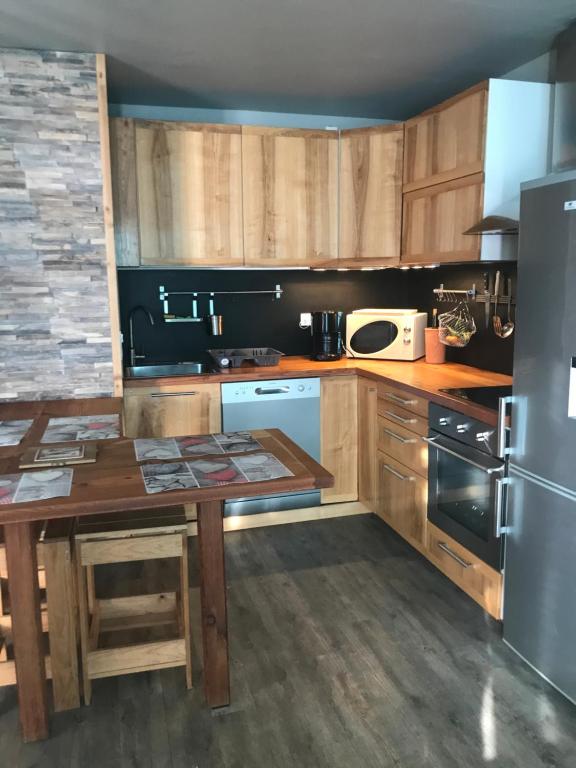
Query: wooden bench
pixel 134 633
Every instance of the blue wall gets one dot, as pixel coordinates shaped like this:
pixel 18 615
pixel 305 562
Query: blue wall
pixel 241 117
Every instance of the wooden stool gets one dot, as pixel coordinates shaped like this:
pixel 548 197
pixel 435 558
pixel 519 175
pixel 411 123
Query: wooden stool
pixel 123 538
pixel 59 614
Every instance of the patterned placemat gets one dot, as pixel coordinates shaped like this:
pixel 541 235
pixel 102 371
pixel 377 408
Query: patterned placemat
pixel 71 428
pixel 147 449
pixel 211 471
pixel 35 486
pixel 12 432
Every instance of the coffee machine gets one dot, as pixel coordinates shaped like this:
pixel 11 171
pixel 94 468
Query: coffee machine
pixel 327 326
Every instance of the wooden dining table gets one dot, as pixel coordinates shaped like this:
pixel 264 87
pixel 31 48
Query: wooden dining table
pixel 112 484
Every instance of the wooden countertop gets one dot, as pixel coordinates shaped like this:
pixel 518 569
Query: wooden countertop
pixel 418 377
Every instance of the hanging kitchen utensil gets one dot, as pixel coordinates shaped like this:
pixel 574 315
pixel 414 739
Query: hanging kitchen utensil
pixel 488 300
pixel 457 326
pixel 496 321
pixel 508 328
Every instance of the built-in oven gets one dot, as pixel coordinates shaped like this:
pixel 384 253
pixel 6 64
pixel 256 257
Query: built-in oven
pixel 467 481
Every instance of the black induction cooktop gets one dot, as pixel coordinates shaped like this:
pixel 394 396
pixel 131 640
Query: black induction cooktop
pixel 487 397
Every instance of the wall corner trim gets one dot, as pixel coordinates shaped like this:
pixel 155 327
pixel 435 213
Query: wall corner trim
pixel 109 224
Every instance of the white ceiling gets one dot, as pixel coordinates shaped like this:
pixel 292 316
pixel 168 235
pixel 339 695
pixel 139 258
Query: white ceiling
pixel 373 58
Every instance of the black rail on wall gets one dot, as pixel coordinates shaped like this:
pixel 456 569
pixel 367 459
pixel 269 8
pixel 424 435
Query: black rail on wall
pixel 252 320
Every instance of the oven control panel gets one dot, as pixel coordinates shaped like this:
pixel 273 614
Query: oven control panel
pixel 464 428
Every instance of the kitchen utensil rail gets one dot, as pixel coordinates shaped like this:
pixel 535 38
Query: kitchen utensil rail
pixel 215 325
pixel 278 291
pixel 454 296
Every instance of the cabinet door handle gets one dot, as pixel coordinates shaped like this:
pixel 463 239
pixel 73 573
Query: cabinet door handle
pixel 403 440
pixel 400 419
pixel 396 399
pixel 173 394
pixel 407 478
pixel 453 555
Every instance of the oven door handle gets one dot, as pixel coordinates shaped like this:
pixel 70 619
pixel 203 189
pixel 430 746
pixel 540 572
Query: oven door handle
pixel 489 470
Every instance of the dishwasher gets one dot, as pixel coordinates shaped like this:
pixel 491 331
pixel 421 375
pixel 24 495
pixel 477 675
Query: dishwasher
pixel 292 405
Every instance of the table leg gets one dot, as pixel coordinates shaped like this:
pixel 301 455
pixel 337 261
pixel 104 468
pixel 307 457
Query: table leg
pixel 20 541
pixel 213 601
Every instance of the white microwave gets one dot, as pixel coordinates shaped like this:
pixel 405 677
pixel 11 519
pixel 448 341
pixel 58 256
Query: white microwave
pixel 386 334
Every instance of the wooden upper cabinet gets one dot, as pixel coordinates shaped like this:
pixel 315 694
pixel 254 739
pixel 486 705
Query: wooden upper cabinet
pixel 434 219
pixel 189 178
pixel 447 141
pixel 124 191
pixel 290 196
pixel 371 192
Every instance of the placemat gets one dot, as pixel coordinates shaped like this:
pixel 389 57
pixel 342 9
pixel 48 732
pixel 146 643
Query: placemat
pixel 71 428
pixel 208 472
pixel 35 486
pixel 194 445
pixel 12 432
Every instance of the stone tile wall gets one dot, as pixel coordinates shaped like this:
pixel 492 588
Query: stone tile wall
pixel 54 322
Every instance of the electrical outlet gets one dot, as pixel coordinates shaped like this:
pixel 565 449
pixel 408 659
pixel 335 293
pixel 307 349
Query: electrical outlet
pixel 305 319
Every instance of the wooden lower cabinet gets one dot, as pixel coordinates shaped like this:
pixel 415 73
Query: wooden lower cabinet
pixel 482 583
pixel 391 424
pixel 177 409
pixel 367 438
pixel 395 414
pixel 402 499
pixel 391 395
pixel 403 445
pixel 339 436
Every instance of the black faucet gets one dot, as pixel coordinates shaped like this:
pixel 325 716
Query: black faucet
pixel 138 307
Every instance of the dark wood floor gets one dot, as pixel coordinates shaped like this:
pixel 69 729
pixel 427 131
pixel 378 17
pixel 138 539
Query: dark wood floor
pixel 348 651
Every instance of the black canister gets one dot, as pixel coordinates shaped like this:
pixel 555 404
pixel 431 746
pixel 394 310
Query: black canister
pixel 327 334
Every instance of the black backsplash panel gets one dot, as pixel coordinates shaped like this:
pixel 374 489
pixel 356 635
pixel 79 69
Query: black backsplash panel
pixel 262 321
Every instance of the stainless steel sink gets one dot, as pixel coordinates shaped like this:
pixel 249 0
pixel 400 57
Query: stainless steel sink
pixel 168 369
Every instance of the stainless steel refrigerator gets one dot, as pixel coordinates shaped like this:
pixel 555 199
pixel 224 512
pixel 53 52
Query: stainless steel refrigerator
pixel 540 550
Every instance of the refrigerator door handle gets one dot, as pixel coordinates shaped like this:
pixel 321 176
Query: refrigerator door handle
pixel 499 528
pixel 502 448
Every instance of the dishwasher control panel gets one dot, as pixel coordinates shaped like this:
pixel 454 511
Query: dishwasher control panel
pixel 270 389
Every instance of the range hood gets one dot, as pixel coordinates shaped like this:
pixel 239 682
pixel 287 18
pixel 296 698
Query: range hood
pixel 494 225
